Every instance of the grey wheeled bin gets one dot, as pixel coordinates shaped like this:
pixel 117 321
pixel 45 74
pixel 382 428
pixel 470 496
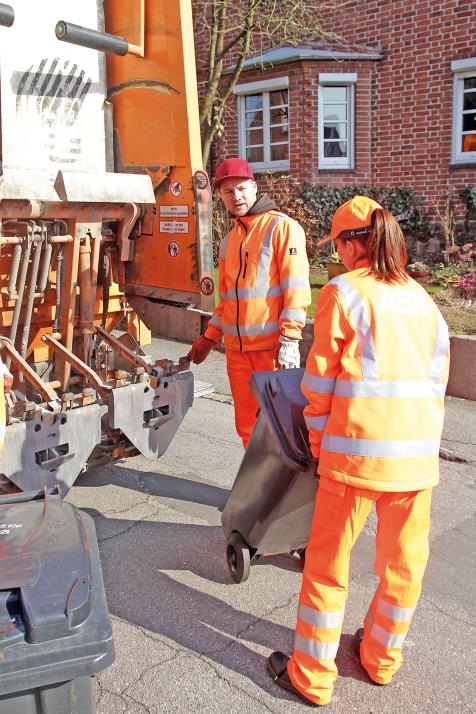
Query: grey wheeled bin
pixel 55 630
pixel 269 510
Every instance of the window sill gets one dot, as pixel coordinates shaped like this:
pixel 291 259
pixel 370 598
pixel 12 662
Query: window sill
pixel 268 168
pixel 335 169
pixel 463 165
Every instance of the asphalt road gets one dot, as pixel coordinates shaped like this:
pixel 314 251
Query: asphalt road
pixel 190 640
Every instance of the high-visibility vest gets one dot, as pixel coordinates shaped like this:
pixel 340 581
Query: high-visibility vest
pixel 375 380
pixel 264 283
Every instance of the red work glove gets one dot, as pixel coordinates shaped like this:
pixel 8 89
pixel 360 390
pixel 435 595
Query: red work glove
pixel 200 349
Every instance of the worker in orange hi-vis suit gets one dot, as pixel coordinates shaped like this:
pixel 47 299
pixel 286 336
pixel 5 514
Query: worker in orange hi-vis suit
pixel 264 290
pixel 375 380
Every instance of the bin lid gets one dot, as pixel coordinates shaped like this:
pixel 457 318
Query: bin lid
pixel 44 558
pixel 54 623
pixel 282 402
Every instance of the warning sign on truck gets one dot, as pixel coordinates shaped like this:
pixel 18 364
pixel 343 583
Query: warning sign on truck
pixel 173 211
pixel 174 226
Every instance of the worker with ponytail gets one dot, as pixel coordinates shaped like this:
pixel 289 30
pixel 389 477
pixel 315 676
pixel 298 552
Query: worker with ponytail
pixel 375 380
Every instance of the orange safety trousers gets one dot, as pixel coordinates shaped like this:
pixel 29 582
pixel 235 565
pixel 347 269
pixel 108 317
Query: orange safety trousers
pixel 240 366
pixel 401 556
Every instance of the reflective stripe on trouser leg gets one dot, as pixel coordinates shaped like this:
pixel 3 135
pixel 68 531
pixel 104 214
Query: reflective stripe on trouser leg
pixel 339 515
pixel 240 367
pixel 402 554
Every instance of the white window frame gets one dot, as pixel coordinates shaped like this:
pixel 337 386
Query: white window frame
pixel 349 81
pixel 462 69
pixel 263 87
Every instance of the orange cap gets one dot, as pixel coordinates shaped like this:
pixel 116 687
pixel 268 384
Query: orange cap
pixel 352 219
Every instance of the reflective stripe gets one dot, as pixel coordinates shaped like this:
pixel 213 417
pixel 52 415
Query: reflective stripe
pixel 318 422
pixel 321 385
pixel 397 614
pixel 265 328
pixel 249 293
pixel 361 323
pixel 215 320
pixel 262 274
pixel 320 619
pixel 397 390
pixel 292 313
pixel 387 639
pixel 440 352
pixel 380 448
pixel 224 246
pixel 290 283
pixel 317 650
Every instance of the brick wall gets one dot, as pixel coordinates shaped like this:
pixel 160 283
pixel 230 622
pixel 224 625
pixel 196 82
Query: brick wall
pixel 403 102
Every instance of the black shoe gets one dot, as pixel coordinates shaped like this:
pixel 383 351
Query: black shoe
pixel 278 670
pixel 356 642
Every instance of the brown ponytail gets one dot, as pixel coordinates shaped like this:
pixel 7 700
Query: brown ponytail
pixel 386 250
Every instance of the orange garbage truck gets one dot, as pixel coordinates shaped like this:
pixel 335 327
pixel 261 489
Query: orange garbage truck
pixel 105 215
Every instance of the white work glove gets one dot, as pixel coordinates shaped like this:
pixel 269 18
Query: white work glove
pixel 288 356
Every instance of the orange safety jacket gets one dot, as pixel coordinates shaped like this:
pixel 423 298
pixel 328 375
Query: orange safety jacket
pixel 375 380
pixel 264 281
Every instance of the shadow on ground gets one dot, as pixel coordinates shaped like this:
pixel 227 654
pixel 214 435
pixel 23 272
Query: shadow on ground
pixel 139 559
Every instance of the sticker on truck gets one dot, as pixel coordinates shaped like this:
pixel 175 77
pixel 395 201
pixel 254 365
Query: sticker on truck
pixel 173 211
pixel 174 226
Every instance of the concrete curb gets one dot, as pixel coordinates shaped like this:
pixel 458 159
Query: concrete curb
pixel 462 381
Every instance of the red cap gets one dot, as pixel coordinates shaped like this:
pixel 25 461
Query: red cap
pixel 232 168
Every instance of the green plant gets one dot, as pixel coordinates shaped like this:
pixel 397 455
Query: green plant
pixel 418 267
pixel 468 199
pixel 321 202
pixel 334 257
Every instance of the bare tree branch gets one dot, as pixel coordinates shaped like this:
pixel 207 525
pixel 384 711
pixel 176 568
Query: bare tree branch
pixel 237 29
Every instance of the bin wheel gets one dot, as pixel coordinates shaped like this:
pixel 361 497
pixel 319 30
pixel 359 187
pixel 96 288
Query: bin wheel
pixel 238 558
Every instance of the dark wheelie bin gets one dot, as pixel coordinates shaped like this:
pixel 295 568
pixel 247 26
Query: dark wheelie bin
pixel 270 506
pixel 55 630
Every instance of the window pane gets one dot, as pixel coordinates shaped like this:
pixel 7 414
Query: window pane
pixel 469 142
pixel 335 131
pixel 335 149
pixel 279 152
pixel 469 101
pixel 334 94
pixel 255 154
pixel 279 133
pixel 279 116
pixel 254 137
pixel 470 83
pixel 278 97
pixel 469 122
pixel 253 101
pixel 254 119
pixel 335 112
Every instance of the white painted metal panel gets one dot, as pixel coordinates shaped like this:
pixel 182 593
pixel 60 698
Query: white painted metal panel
pixel 52 93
